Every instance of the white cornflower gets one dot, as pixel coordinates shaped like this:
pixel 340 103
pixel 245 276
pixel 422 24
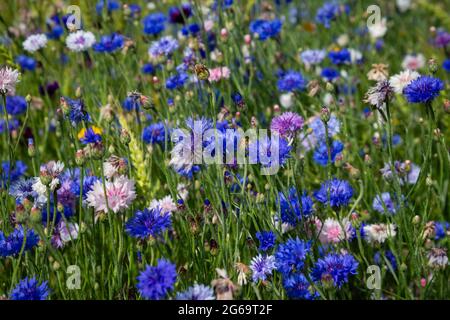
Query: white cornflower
pixel 80 40
pixel 287 100
pixel 35 42
pixel 166 204
pixel 378 233
pixel 182 191
pixel 402 79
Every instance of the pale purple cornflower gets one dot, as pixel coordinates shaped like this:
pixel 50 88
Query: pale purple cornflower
pixel 379 94
pixel 163 47
pixel 437 258
pixel 197 292
pixel 287 124
pixel 407 172
pixel 64 233
pixel 311 57
pixel 262 266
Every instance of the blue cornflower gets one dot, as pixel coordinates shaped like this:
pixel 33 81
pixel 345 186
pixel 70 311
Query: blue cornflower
pixel 148 223
pixel 265 150
pixel 177 81
pixel 386 200
pixel 91 136
pixel 237 99
pixel 66 196
pixel 266 240
pixel 66 211
pixel 290 256
pixel 154 23
pixel 22 189
pixel 194 139
pixel 312 57
pixel 26 63
pixel 179 13
pixel 88 184
pixel 222 4
pixel 328 12
pixel 109 43
pixel 440 229
pixel 336 268
pixel 291 81
pixel 163 47
pixel 148 68
pixel 155 282
pixel 340 57
pixel 30 289
pixel 135 10
pixel 15 105
pixel 13 125
pixel 266 28
pixel 320 155
pixel 154 133
pixel 192 29
pixel 262 266
pixel 111 5
pixel 330 74
pixel 293 209
pixel 12 245
pixel 56 31
pixel 446 65
pixel 396 139
pixel 76 110
pixel 13 174
pixel 197 292
pixel 380 260
pixel 318 127
pixel 339 191
pixel 298 287
pixel 423 89
pixel 131 103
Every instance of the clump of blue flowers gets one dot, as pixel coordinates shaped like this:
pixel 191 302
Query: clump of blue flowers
pixel 290 256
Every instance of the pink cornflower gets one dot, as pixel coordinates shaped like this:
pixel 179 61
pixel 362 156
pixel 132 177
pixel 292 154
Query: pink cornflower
pixel 219 73
pixel 333 231
pixel 287 124
pixel 120 194
pixel 8 80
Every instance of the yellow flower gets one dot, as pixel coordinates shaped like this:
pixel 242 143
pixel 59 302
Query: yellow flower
pixel 96 130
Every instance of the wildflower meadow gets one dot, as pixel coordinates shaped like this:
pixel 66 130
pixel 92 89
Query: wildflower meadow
pixel 224 150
